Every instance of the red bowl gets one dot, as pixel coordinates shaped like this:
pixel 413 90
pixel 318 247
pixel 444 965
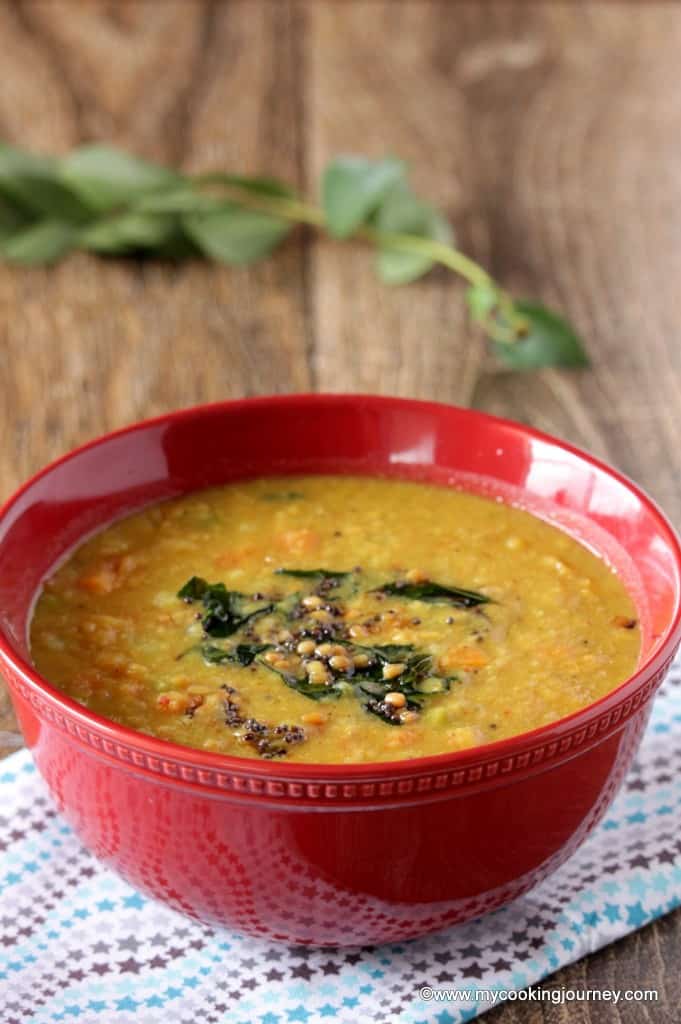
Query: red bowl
pixel 335 854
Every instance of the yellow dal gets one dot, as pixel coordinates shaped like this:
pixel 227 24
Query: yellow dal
pixel 558 632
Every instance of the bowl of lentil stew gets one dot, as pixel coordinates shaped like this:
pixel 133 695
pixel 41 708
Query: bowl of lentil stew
pixel 267 834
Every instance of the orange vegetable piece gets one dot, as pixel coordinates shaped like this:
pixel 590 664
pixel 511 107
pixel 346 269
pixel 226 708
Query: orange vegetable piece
pixel 103 581
pixel 463 657
pixel 299 542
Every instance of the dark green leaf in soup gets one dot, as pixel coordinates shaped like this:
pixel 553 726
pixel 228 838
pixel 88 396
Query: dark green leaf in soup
pixel 246 654
pixel 288 606
pixel 226 611
pixel 193 590
pixel 213 655
pixel 242 654
pixel 311 690
pixel 312 574
pixel 301 684
pixel 386 653
pixel 434 593
pixel 222 619
pixel 417 666
pixel 371 688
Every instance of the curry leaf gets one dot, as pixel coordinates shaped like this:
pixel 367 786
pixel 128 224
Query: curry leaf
pixel 242 654
pixel 246 654
pixel 183 198
pixel 417 665
pixel 225 610
pixel 353 187
pixel 311 574
pixel 106 178
pixel 434 593
pixel 258 185
pixel 547 340
pixel 193 589
pixel 236 235
pixel 401 213
pixel 11 218
pixel 17 165
pixel 30 182
pixel 386 653
pixel 128 231
pixel 214 655
pixel 371 688
pixel 300 683
pixel 45 241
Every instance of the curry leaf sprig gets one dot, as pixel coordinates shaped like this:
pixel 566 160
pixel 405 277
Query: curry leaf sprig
pixel 106 201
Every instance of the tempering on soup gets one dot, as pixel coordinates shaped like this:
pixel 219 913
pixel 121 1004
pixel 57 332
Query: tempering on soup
pixel 334 619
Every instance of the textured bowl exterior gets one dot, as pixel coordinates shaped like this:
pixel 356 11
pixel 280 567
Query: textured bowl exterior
pixel 334 854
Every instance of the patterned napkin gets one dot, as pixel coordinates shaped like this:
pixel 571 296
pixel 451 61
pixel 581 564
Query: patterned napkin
pixel 78 944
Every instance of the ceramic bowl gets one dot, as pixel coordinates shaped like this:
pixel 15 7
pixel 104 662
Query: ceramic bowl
pixel 334 854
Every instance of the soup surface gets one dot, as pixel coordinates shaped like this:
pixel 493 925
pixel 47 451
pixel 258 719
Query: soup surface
pixel 334 619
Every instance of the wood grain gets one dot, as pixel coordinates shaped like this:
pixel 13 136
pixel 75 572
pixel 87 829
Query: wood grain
pixel 549 132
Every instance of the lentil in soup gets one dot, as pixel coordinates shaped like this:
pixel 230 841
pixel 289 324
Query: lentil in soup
pixel 334 619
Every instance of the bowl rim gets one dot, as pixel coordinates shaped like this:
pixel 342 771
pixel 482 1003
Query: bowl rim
pixel 548 744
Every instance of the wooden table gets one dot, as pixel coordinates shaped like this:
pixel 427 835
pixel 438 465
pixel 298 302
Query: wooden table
pixel 549 132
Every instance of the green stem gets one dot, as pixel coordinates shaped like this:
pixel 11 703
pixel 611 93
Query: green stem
pixel 439 252
pixel 300 212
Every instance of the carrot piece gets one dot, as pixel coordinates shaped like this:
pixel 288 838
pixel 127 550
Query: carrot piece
pixel 624 622
pixel 234 557
pixel 299 542
pixel 102 581
pixel 463 657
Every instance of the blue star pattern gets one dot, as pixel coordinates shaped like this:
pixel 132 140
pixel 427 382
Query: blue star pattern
pixel 79 945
